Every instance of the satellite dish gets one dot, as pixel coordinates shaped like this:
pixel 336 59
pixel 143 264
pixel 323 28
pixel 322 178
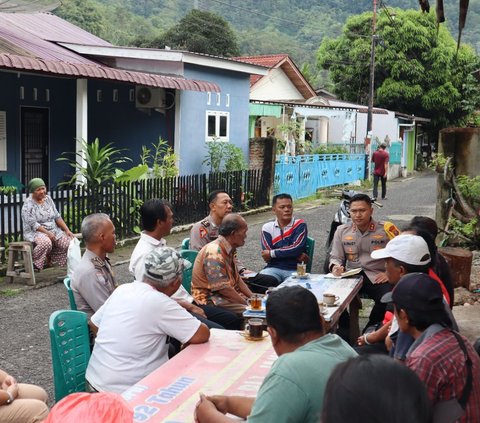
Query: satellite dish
pixel 144 95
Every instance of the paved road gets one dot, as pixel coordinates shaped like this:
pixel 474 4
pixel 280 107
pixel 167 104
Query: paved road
pixel 24 341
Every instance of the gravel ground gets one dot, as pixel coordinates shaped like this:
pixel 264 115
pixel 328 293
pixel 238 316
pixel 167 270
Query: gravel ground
pixel 24 344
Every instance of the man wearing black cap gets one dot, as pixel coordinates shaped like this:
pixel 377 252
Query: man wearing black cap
pixel 445 361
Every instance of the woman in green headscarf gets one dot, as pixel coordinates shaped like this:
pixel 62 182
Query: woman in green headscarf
pixel 43 225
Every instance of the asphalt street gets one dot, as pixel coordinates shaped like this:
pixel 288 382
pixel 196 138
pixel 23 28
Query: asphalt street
pixel 24 341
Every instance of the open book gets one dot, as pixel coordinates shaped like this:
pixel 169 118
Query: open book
pixel 346 274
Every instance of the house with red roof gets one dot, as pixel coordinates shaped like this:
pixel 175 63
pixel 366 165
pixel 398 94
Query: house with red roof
pixel 284 95
pixel 61 84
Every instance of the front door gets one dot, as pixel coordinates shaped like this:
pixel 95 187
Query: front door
pixel 34 143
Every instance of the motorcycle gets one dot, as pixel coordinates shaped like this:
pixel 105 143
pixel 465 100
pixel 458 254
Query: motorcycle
pixel 341 217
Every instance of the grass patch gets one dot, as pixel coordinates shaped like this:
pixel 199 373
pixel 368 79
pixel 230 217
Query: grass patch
pixel 9 292
pixel 366 184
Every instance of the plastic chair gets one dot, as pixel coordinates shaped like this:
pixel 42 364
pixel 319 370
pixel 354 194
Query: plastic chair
pixel 189 255
pixel 73 304
pixel 186 244
pixel 309 250
pixel 69 341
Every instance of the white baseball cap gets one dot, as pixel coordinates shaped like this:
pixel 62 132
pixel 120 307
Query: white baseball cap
pixel 408 248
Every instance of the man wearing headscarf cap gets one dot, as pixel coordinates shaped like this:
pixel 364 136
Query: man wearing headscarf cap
pixel 133 324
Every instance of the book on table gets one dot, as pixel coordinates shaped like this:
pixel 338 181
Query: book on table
pixel 346 274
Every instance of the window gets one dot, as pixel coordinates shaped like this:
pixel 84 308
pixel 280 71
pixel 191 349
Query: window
pixel 227 100
pixel 217 126
pixel 209 98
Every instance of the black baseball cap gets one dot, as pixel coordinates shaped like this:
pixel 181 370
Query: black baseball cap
pixel 416 291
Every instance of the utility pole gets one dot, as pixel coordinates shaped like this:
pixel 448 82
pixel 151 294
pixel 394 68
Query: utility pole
pixel 195 4
pixel 371 92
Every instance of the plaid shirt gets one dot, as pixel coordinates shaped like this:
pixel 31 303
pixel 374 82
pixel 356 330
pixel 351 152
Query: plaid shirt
pixel 440 364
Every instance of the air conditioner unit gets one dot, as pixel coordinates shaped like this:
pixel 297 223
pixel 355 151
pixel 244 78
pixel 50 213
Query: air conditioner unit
pixel 149 98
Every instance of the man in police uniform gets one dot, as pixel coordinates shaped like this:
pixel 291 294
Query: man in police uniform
pixel 206 231
pixel 93 280
pixel 351 249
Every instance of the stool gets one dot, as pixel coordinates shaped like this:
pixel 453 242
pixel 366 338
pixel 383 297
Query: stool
pixel 15 250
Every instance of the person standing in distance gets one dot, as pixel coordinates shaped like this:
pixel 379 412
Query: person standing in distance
pixel 380 158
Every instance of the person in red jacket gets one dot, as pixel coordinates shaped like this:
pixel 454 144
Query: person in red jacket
pixel 380 158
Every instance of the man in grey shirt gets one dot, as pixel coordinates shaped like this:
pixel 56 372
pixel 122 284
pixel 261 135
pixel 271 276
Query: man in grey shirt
pixel 93 280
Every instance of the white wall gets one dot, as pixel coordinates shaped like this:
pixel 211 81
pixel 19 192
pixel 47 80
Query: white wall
pixel 275 86
pixel 382 125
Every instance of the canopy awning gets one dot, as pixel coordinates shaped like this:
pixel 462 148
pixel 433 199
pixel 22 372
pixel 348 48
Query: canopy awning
pixel 257 109
pixel 82 70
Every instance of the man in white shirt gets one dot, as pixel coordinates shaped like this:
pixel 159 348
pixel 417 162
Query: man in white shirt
pixel 133 324
pixel 157 220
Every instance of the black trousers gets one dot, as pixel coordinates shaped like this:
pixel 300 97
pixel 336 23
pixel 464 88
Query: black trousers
pixel 260 283
pixel 222 318
pixel 383 179
pixel 375 291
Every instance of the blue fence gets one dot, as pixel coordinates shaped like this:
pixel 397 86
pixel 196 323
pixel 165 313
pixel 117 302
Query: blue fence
pixel 301 176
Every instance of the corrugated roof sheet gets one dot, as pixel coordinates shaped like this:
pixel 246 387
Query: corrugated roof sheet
pixel 28 43
pixel 81 70
pixel 50 28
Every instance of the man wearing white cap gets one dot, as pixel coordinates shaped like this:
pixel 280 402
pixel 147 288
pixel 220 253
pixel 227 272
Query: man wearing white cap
pixel 404 254
pixel 133 324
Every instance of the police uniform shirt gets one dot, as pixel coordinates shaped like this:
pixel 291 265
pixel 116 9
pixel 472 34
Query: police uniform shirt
pixel 92 282
pixel 352 248
pixel 202 233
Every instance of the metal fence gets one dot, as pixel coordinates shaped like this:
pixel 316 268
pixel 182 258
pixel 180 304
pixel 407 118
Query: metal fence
pixel 121 201
pixel 301 176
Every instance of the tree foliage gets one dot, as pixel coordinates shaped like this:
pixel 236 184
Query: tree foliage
pixel 198 31
pixel 418 69
pixel 86 14
pixel 296 28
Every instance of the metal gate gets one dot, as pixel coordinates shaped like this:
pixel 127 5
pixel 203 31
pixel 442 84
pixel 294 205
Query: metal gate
pixel 35 134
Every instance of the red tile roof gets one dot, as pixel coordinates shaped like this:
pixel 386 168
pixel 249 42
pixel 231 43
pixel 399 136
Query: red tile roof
pixel 283 61
pixel 269 61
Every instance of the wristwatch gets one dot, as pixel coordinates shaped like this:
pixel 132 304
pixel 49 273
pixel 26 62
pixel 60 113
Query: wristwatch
pixel 10 398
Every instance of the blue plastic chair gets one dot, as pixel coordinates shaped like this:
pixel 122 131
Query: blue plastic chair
pixel 309 250
pixel 69 341
pixel 71 297
pixel 189 255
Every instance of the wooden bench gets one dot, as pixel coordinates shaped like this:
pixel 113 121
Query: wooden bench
pixel 20 263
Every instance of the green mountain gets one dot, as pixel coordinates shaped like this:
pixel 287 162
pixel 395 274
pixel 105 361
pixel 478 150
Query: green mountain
pixel 262 26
